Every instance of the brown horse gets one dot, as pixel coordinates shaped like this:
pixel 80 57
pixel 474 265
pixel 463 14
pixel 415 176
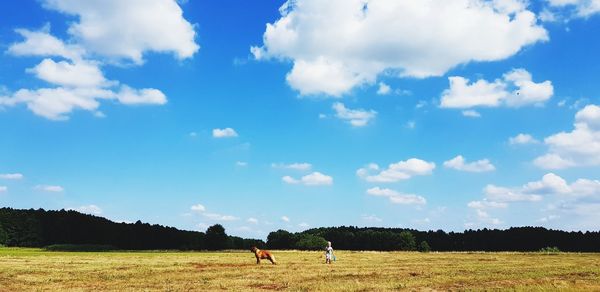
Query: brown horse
pixel 263 254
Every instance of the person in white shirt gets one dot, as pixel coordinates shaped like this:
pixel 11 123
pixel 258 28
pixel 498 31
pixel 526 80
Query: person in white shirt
pixel 328 253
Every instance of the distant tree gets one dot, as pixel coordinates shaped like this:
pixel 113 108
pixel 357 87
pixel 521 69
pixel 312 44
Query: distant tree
pixel 424 247
pixel 216 238
pixel 407 241
pixel 310 242
pixel 280 239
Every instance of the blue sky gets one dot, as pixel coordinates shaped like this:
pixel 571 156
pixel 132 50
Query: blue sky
pixel 263 115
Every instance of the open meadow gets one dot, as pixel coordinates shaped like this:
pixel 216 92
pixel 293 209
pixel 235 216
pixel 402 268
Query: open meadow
pixel 35 269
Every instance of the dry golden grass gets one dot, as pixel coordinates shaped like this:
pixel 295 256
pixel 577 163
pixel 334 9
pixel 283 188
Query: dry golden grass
pixel 34 269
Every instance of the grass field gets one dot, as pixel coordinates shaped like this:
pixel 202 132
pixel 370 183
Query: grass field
pixel 34 269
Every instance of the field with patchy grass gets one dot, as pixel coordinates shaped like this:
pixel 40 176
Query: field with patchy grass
pixel 35 269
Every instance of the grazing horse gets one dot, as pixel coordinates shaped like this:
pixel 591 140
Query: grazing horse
pixel 263 254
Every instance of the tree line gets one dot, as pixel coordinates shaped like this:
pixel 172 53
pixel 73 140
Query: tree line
pixel 40 228
pixel 390 239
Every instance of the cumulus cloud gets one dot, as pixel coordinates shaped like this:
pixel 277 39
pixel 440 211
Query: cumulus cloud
pixel 295 166
pixel 459 163
pixel 11 176
pixel 522 139
pixel 41 43
pixel 515 89
pixel 397 197
pixel 130 96
pixel 57 103
pixel 580 147
pixel 127 29
pixel 338 45
pixel 532 191
pixel 224 133
pixel 49 188
pixel 104 33
pixel 252 220
pixel 580 8
pixel 578 200
pixel 88 209
pixel 314 179
pixel 356 117
pixel 285 219
pixel 198 208
pixel 64 73
pixel 400 170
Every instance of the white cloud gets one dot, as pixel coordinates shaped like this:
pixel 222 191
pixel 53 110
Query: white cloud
pixel 522 139
pixel 285 219
pixel 471 114
pixel 356 117
pixel 201 209
pixel 396 197
pixel 515 89
pixel 502 194
pixel 130 96
pixel 57 103
pixel 401 170
pixel 198 208
pixel 370 218
pixel 580 147
pixel 3 189
pixel 290 180
pixel 105 31
pixel 42 43
pixel 88 209
pixel 219 217
pixel 49 188
pixel 536 190
pixel 582 8
pixel 303 225
pixel 126 29
pixel 314 179
pixel 295 166
pixel 224 133
pixel 252 220
pixel 383 89
pixel 63 73
pixel 338 45
pixel 11 176
pixel 241 163
pixel 459 163
pixel 576 203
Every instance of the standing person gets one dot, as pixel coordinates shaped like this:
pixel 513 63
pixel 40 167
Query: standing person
pixel 328 253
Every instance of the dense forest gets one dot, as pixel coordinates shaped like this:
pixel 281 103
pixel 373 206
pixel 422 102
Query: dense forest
pixel 39 228
pixel 386 239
